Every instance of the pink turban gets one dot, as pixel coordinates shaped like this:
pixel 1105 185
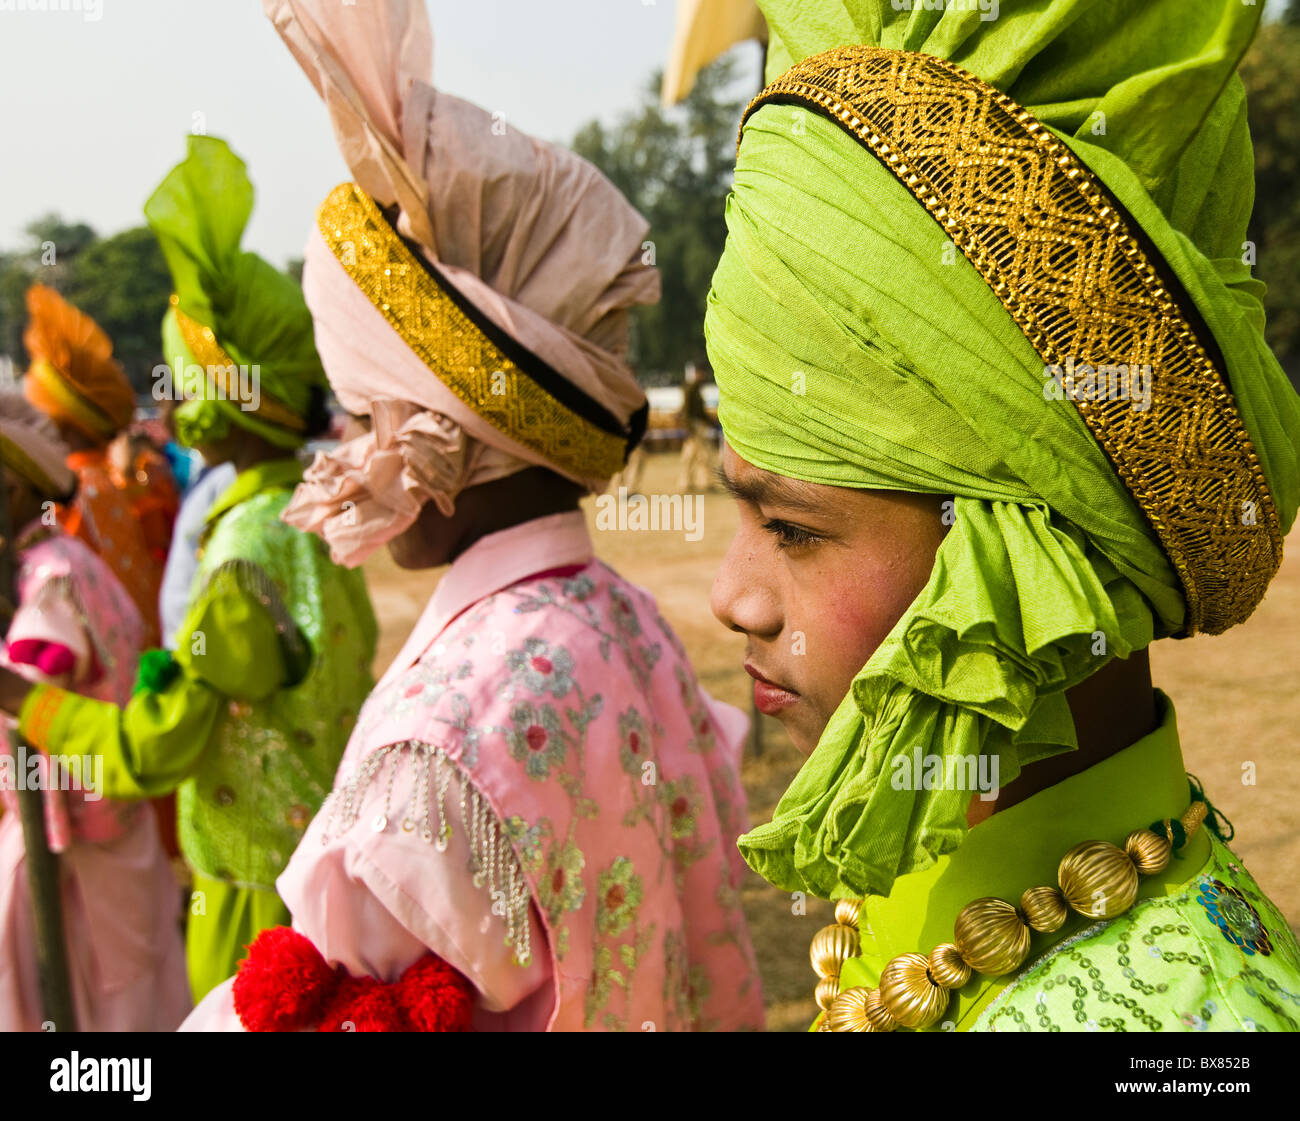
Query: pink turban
pixel 534 239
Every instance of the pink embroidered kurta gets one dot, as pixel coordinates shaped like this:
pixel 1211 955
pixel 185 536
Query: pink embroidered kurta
pixel 77 627
pixel 540 793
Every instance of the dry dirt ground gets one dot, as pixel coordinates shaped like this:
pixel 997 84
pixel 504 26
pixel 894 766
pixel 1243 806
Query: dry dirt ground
pixel 1238 700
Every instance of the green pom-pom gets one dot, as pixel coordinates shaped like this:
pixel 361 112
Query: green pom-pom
pixel 157 670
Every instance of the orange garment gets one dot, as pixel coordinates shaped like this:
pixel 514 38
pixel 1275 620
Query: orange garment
pixel 101 516
pixel 154 500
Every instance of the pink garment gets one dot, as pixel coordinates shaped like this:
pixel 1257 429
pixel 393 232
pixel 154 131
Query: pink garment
pixel 536 238
pixel 556 718
pixel 121 903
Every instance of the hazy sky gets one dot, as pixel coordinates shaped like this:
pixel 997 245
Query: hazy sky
pixel 94 112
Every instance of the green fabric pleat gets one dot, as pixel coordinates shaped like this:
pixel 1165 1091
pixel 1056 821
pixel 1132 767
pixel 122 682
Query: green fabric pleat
pixel 218 933
pixel 207 420
pixel 854 346
pixel 258 314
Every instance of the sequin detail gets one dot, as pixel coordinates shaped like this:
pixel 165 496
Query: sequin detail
pixel 494 864
pixel 1236 919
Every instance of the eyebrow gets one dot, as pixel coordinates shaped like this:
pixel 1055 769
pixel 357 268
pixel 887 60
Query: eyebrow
pixel 766 489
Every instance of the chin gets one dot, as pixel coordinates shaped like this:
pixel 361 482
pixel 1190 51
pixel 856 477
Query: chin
pixel 804 738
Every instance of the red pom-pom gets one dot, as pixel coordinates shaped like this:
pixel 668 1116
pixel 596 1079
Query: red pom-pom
pixel 435 996
pixel 283 983
pixel 363 1004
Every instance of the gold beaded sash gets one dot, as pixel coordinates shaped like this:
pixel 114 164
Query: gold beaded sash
pixel 1079 278
pixel 507 385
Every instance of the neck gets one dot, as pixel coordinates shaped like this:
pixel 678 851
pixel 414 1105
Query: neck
pixel 521 497
pixel 1112 710
pixel 491 525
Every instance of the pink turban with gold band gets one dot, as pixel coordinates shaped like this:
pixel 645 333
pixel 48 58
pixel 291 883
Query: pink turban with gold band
pixel 470 288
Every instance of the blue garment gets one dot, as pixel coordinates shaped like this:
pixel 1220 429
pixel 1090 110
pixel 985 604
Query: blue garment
pixel 185 463
pixel 183 556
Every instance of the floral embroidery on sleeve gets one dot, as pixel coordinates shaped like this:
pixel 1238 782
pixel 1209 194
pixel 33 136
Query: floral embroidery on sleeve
pixel 621 943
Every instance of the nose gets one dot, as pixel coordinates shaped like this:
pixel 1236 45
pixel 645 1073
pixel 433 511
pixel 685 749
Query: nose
pixel 743 598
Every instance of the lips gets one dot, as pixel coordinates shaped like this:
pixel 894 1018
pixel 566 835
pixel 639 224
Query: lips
pixel 769 697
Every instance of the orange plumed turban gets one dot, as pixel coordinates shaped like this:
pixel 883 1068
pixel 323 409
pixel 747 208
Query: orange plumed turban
pixel 74 377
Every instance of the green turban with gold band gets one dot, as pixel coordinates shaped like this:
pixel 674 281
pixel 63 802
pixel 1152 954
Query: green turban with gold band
pixel 238 333
pixel 1002 259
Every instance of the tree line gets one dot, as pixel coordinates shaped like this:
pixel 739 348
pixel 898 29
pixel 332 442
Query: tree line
pixel 675 166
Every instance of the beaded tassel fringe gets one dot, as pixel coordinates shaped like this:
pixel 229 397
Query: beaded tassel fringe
pixel 492 858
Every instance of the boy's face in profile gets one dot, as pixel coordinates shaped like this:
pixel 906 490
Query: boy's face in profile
pixel 815 578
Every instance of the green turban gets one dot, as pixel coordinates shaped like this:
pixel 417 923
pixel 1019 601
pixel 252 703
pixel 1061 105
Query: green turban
pixel 854 347
pixel 255 313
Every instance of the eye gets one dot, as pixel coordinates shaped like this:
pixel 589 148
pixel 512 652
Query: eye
pixel 790 536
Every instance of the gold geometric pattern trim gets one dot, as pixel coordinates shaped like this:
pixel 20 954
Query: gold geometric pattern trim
pixel 1062 258
pixel 221 369
pixel 453 347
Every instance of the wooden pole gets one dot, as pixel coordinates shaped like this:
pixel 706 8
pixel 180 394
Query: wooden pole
pixel 44 885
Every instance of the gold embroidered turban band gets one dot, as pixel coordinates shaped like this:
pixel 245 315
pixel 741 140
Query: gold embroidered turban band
pixel 222 371
pixel 507 385
pixel 1084 284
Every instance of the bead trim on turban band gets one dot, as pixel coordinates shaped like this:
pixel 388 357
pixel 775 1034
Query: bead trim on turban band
pixel 47 382
pixel 1083 283
pixel 221 369
pixel 507 385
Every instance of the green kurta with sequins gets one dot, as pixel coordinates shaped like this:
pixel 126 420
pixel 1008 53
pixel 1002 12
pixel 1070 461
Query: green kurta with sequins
pixel 273 751
pixel 1217 956
pixel 1204 948
pixel 251 718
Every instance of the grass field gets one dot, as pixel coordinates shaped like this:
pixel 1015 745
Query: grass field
pixel 1237 695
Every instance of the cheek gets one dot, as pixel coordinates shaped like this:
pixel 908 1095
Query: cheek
pixel 845 623
pixel 846 611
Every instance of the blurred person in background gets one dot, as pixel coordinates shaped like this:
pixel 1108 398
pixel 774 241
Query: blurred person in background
pixel 75 380
pixel 143 474
pixel 75 627
pixel 697 443
pixel 249 714
pixel 202 484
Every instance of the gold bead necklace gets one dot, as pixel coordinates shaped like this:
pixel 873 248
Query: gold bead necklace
pixel 1095 878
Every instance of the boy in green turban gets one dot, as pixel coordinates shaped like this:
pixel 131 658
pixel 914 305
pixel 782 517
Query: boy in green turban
pixel 249 714
pixel 999 413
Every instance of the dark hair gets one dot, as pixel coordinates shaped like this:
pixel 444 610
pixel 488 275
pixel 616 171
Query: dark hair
pixel 318 414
